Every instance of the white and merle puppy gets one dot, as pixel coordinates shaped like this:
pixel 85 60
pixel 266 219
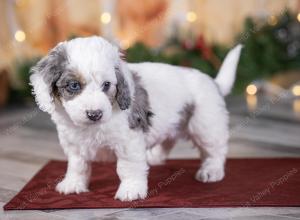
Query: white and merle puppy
pixel 98 100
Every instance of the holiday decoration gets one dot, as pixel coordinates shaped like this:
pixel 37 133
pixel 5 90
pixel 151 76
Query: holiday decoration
pixel 271 46
pixel 268 49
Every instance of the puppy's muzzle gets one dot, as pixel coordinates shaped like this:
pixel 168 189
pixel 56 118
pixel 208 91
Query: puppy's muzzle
pixel 94 115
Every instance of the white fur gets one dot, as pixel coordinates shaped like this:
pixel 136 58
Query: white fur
pixel 226 76
pixel 169 89
pixel 41 92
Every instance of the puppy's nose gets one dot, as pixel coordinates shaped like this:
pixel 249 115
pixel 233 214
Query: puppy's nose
pixel 94 115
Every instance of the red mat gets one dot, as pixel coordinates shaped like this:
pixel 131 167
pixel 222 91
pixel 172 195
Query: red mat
pixel 248 182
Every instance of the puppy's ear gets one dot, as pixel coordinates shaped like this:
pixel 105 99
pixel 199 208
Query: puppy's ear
pixel 44 76
pixel 123 93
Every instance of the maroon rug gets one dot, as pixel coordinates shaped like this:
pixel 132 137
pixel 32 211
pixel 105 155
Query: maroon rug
pixel 248 182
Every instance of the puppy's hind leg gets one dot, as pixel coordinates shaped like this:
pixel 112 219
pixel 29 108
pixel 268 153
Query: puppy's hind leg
pixel 159 153
pixel 208 128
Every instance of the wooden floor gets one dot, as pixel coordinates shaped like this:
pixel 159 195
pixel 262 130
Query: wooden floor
pixel 28 140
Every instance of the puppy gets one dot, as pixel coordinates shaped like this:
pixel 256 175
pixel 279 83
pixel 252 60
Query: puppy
pixel 98 100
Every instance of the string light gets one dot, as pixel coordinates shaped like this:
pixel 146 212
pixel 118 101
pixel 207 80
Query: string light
pixel 296 106
pixel 251 89
pixel 272 20
pixel 251 102
pixel 105 18
pixel 125 44
pixel 298 17
pixel 191 16
pixel 296 90
pixel 20 36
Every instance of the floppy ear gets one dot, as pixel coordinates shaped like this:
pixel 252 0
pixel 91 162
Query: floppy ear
pixel 123 92
pixel 44 76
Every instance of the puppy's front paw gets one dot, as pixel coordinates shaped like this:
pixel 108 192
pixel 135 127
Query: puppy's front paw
pixel 210 173
pixel 69 185
pixel 132 190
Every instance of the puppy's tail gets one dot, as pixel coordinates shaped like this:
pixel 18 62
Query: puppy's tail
pixel 226 76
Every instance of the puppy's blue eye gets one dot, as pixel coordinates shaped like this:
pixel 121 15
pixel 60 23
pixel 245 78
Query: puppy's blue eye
pixel 106 86
pixel 74 86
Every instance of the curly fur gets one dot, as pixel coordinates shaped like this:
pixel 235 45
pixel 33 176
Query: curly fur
pixel 147 107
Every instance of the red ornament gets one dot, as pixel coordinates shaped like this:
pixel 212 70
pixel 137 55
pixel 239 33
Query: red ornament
pixel 205 49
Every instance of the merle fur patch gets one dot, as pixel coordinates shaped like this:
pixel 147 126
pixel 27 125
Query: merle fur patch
pixel 61 90
pixel 123 93
pixel 186 114
pixel 140 112
pixel 52 66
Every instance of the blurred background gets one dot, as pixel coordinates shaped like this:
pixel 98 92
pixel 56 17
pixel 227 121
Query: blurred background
pixel 265 104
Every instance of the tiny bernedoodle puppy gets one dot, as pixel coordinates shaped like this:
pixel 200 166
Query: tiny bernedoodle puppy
pixel 99 101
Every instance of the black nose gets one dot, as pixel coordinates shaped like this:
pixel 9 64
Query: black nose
pixel 94 115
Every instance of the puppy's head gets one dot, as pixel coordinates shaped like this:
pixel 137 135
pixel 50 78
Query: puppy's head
pixel 86 77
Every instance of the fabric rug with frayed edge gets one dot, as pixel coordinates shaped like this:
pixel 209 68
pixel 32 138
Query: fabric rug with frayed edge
pixel 248 183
